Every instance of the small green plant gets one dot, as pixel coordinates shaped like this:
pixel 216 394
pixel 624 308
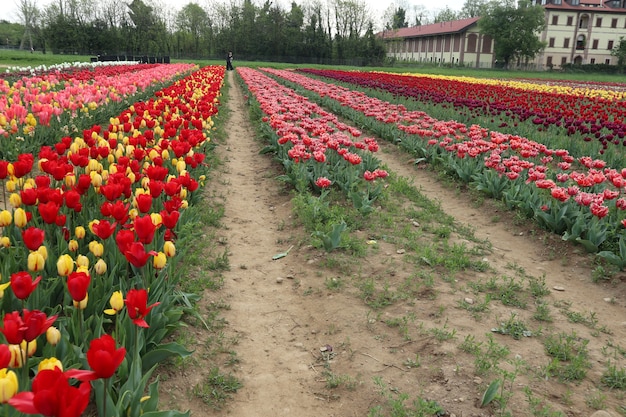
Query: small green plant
pixel 596 400
pixel 413 363
pixel 491 357
pixel 570 355
pixel 217 388
pixel 514 327
pixel 334 283
pixel 470 345
pixel 537 406
pixel 542 313
pixel 332 240
pixel 538 287
pixel 396 404
pixel 614 377
pixel 444 333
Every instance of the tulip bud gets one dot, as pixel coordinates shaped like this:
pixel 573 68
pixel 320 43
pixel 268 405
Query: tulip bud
pixel 35 261
pixel 96 179
pixel 5 218
pixel 43 251
pixel 19 217
pixel 183 193
pixel 96 248
pixel 10 185
pixel 184 204
pixel 8 385
pixel 169 249
pixel 16 356
pixel 82 260
pixel 157 219
pixel 159 261
pixel 50 364
pixel 116 301
pixel 165 154
pixel 72 245
pixel 32 347
pixel 100 267
pixel 15 200
pixel 5 242
pixel 4 287
pixel 70 180
pixel 53 335
pixel 79 232
pixel 65 265
pixel 181 166
pixel 81 305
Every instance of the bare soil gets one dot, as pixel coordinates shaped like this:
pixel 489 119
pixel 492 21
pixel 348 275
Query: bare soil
pixel 292 333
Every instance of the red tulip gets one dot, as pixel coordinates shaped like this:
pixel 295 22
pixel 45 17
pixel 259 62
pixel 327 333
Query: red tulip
pixel 103 358
pixel 78 285
pixel 136 254
pixel 170 219
pixel 144 228
pixel 36 323
pixel 49 211
pixel 53 396
pixel 124 238
pixel 136 304
pixel 103 229
pixel 23 285
pixel 33 237
pixel 29 196
pixel 144 202
pixel 13 328
pixel 5 356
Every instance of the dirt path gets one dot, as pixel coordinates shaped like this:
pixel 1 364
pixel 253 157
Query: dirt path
pixel 281 313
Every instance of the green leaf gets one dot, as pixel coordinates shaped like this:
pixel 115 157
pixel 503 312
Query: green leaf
pixel 168 413
pixel 491 393
pixel 161 353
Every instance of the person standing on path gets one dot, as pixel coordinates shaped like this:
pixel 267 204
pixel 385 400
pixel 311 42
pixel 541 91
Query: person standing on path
pixel 229 61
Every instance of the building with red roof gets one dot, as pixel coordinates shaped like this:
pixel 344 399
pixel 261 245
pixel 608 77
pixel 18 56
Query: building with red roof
pixel 577 31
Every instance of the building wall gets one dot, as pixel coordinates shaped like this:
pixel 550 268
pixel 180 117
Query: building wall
pixel 585 35
pixel 470 48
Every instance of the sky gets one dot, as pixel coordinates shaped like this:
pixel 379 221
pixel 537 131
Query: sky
pixel 377 7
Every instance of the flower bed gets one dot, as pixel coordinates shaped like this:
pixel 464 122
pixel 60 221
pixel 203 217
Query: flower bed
pixel 89 227
pixel 580 198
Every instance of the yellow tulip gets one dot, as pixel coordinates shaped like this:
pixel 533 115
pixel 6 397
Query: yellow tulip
pixel 35 261
pixel 96 248
pixel 43 251
pixel 117 303
pixel 10 185
pixel 50 364
pixel 4 287
pixel 96 179
pixel 157 219
pixel 169 249
pixel 5 242
pixel 8 385
pixel 32 347
pixel 70 180
pixel 100 267
pixel 15 200
pixel 65 265
pixel 165 154
pixel 184 204
pixel 181 166
pixel 19 217
pixel 159 261
pixel 72 245
pixel 79 232
pixel 16 356
pixel 5 218
pixel 82 260
pixel 53 335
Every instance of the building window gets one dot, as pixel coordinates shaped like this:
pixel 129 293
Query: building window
pixel 471 43
pixel 566 43
pixel 556 1
pixel 607 61
pixel 570 20
pixel 594 45
pixel 599 22
pixel 580 42
pixel 555 20
pixel 551 43
pixel 610 45
pixel 563 60
pixel 549 62
pixel 583 22
pixel 613 23
pixel 592 61
pixel 575 2
pixel 487 41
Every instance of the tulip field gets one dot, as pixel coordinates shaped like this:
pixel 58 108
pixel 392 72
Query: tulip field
pixel 90 216
pixel 99 165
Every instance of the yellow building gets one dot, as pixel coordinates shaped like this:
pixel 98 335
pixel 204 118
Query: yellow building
pixel 577 31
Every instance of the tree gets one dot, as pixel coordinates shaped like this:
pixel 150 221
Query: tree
pixel 445 15
pixel 194 21
pixel 28 13
pixel 514 29
pixel 472 8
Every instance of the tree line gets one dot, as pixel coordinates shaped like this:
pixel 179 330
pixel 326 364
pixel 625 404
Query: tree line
pixel 339 31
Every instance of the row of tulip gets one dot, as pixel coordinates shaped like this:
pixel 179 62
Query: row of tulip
pixel 88 236
pixel 59 98
pixel 316 149
pixel 581 198
pixel 593 114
